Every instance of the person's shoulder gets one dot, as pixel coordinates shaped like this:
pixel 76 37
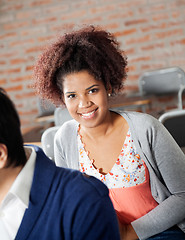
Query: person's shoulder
pixel 141 119
pixel 76 182
pixel 67 127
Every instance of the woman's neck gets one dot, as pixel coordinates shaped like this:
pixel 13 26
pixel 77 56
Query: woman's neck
pixel 102 130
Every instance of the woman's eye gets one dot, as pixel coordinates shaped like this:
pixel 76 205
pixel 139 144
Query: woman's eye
pixel 71 96
pixel 93 90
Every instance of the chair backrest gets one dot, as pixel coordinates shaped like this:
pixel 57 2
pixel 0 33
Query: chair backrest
pixel 61 115
pixel 174 121
pixel 47 141
pixel 45 107
pixel 161 81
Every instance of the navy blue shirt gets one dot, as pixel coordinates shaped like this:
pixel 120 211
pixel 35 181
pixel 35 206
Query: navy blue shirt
pixel 65 204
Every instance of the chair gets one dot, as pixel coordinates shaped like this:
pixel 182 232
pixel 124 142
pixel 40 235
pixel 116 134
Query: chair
pixel 47 141
pixel 45 107
pixel 61 115
pixel 174 121
pixel 163 81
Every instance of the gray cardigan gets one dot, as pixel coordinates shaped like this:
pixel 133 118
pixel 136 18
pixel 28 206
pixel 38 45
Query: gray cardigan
pixel 165 162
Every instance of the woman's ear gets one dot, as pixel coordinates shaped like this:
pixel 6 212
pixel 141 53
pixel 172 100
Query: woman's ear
pixel 3 155
pixel 109 91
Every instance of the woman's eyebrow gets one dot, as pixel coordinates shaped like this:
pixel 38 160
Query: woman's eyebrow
pixel 95 85
pixel 69 92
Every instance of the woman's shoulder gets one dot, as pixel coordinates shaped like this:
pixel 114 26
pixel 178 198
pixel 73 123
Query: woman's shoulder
pixel 139 117
pixel 67 128
pixel 141 122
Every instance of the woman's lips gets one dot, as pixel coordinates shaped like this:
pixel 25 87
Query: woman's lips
pixel 88 115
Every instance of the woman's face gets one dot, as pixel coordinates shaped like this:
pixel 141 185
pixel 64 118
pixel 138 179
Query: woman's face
pixel 85 98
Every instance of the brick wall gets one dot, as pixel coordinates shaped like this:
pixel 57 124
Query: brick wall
pixel 152 33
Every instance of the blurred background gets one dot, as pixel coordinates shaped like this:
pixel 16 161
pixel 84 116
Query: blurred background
pixel 152 34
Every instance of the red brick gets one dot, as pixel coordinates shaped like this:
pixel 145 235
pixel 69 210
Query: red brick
pixel 152 9
pixel 132 68
pixel 40 3
pixel 103 9
pixel 176 14
pixel 132 77
pixel 154 27
pixel 135 22
pixel 152 46
pixel 28 112
pixel 8 35
pixel 61 28
pixel 150 32
pixel 34 49
pixel 131 88
pixel 9 71
pixel 25 95
pixel 88 4
pixel 128 4
pixel 44 20
pixel 169 33
pixel 17 61
pixel 21 79
pixel 141 59
pixel 139 40
pixel 8 55
pixel 181 41
pixel 125 32
pixel 22 15
pixel 148 67
pixel 44 39
pixel 110 27
pixel 73 15
pixel 29 68
pixel 34 31
pixel 57 8
pixel 94 20
pixel 11 7
pixel 2 62
pixel 15 25
pixel 130 51
pixel 162 16
pixel 21 42
pixel 3 81
pixel 14 88
pixel 121 15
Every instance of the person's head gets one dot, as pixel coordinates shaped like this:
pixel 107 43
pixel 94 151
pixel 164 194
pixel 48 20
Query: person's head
pixel 90 49
pixel 11 141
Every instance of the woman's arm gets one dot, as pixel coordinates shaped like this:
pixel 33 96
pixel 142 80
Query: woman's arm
pixel 127 232
pixel 167 177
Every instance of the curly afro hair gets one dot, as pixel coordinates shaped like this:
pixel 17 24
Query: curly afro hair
pixel 89 48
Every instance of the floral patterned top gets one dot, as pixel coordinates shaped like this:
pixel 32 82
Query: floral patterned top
pixel 127 171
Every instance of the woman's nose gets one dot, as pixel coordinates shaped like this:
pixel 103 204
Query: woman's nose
pixel 84 102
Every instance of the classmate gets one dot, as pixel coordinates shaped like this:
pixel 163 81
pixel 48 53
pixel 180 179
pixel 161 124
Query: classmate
pixel 131 152
pixel 41 201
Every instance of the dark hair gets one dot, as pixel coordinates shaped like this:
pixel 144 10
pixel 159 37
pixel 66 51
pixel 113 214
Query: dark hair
pixel 10 133
pixel 94 50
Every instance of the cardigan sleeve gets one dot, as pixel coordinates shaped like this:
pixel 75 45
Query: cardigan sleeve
pixel 166 163
pixel 59 156
pixel 65 145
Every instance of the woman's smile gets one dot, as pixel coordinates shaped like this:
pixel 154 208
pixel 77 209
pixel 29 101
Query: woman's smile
pixel 88 115
pixel 85 98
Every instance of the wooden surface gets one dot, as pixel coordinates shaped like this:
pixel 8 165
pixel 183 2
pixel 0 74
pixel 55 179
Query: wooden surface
pixel 125 102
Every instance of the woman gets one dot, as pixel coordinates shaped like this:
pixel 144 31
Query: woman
pixel 132 153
